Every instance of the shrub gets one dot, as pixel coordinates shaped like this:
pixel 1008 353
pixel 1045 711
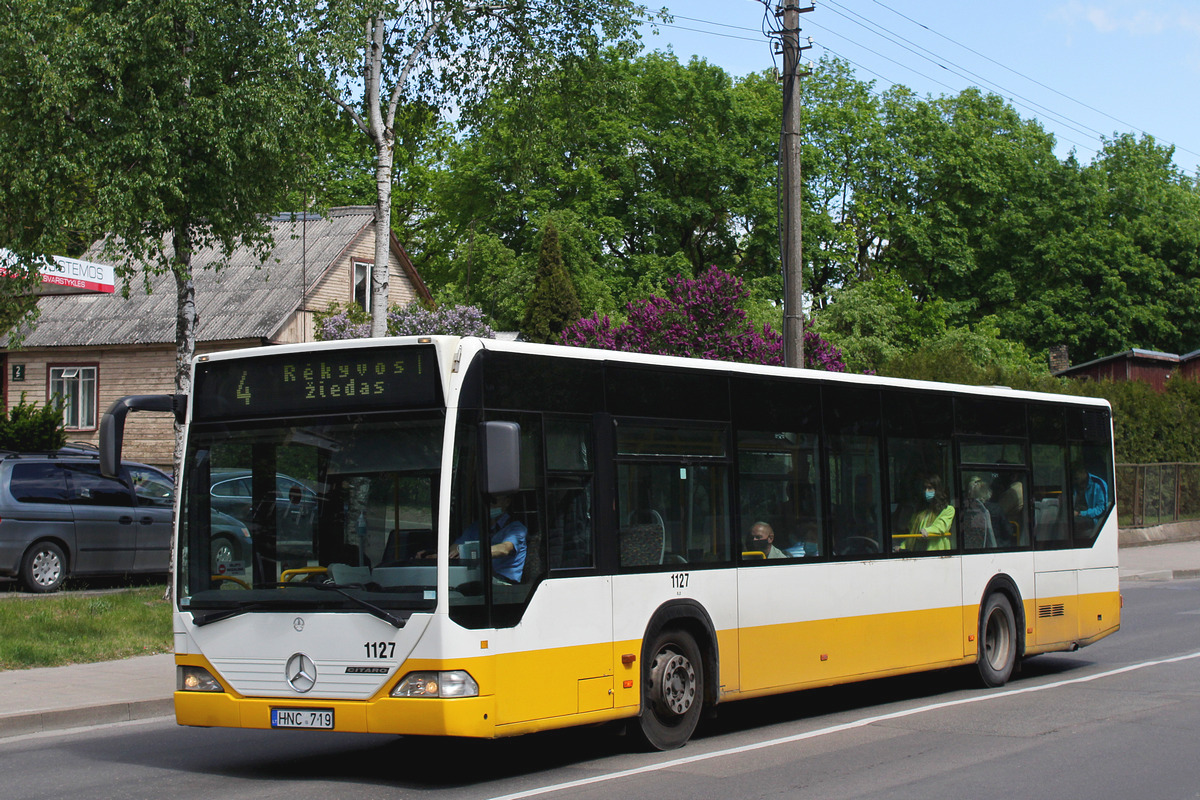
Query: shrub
pixel 27 427
pixel 701 318
pixel 352 322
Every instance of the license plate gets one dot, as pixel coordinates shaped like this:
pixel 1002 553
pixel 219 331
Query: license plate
pixel 321 718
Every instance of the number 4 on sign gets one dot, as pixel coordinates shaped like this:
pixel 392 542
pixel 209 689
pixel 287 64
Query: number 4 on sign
pixel 243 391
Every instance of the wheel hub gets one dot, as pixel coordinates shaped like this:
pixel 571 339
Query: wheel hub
pixel 678 683
pixel 46 569
pixel 996 642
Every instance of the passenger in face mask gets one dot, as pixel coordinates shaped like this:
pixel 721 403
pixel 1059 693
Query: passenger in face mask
pixel 507 536
pixel 762 538
pixel 933 524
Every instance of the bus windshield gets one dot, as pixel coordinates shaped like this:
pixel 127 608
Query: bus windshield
pixel 324 513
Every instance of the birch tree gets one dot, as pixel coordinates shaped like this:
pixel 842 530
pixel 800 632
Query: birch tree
pixel 374 59
pixel 171 125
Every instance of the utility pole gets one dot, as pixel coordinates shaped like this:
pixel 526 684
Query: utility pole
pixel 791 189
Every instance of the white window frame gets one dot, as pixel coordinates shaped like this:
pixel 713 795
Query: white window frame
pixel 73 388
pixel 362 268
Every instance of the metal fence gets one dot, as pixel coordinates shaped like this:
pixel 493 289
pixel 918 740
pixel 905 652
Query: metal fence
pixel 1155 494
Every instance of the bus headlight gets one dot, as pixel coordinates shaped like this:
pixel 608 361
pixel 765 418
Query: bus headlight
pixel 455 683
pixel 196 679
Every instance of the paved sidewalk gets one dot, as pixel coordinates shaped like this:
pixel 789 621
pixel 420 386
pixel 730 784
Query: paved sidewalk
pixel 54 698
pixel 58 698
pixel 1160 562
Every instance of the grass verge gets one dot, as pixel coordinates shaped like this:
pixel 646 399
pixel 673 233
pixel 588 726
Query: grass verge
pixel 70 629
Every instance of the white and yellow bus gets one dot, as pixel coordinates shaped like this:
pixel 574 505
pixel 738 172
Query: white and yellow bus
pixel 665 535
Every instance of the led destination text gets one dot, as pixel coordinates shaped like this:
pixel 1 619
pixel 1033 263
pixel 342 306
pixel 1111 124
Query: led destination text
pixel 324 380
pixel 339 380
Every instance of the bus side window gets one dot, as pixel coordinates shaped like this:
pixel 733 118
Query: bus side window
pixel 569 521
pixel 672 494
pixel 1091 476
pixel 921 487
pixel 778 480
pixel 1049 493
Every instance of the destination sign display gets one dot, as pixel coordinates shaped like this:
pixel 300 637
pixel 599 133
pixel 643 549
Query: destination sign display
pixel 357 379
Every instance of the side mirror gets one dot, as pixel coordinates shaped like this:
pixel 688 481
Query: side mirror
pixel 500 455
pixel 112 424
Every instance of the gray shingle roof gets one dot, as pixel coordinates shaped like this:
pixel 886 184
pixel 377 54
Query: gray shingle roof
pixel 244 299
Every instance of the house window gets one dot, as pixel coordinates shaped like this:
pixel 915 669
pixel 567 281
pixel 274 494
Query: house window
pixel 362 284
pixel 74 389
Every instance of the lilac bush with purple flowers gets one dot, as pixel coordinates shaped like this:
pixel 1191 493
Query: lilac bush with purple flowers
pixel 700 318
pixel 351 322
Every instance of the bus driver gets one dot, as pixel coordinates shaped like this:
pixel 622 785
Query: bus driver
pixel 507 537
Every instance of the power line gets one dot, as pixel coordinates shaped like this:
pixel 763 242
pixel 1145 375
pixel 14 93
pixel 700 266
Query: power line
pixel 1060 119
pixel 1029 104
pixel 1004 66
pixel 709 33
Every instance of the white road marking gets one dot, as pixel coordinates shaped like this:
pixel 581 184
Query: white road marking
pixel 846 726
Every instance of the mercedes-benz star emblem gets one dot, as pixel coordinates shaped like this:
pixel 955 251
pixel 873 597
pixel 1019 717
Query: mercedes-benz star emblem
pixel 301 672
pixel 298 624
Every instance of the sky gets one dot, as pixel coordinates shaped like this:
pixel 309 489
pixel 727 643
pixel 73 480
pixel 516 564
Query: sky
pixel 1085 69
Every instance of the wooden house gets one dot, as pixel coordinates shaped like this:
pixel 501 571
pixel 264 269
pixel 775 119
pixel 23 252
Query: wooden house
pixel 90 349
pixel 1148 366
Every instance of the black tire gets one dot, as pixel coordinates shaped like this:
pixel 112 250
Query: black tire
pixel 672 691
pixel 44 568
pixel 997 640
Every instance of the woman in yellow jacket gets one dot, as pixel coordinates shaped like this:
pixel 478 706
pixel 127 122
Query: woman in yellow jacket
pixel 932 526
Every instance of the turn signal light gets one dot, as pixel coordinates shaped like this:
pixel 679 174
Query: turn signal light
pixel 454 683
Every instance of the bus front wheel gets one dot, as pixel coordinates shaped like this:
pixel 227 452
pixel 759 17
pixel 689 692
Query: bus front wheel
pixel 672 692
pixel 997 640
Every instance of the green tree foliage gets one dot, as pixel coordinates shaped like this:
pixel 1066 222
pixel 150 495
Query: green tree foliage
pixel 1151 427
pixel 173 126
pixel 448 53
pixel 42 182
pixel 848 158
pixel 647 166
pixel 974 354
pixel 28 428
pixel 874 321
pixel 966 203
pixel 553 304
pixel 1118 264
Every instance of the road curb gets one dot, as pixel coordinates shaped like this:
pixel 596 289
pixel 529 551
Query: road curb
pixel 24 723
pixel 1162 575
pixel 1150 575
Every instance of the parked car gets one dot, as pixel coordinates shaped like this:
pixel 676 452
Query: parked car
pixel 231 494
pixel 295 507
pixel 59 517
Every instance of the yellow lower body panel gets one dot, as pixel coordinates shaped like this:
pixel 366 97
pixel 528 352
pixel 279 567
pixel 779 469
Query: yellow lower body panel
pixel 474 717
pixel 467 716
pixel 549 689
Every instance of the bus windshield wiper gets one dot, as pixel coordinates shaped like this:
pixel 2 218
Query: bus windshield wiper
pixel 199 619
pixel 375 610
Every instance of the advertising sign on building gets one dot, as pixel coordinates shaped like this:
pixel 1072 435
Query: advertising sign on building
pixel 62 275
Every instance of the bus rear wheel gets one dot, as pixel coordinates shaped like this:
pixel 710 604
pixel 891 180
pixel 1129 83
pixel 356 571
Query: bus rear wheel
pixel 997 640
pixel 672 692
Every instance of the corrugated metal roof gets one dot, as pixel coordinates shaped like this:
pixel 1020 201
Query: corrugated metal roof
pixel 1136 353
pixel 245 298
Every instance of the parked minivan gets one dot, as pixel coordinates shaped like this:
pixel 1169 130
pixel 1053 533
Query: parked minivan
pixel 59 517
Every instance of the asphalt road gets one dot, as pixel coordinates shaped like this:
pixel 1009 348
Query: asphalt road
pixel 1120 719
